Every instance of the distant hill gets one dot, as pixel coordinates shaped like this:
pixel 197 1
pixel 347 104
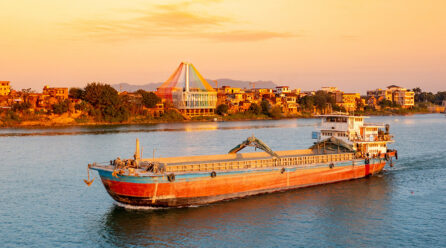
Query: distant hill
pixel 244 84
pixel 221 82
pixel 134 87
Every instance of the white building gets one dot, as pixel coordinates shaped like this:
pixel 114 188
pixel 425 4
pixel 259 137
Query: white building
pixel 282 89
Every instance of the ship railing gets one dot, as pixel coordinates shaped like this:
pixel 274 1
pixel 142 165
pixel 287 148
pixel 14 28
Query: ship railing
pixel 374 124
pixel 260 163
pixel 385 137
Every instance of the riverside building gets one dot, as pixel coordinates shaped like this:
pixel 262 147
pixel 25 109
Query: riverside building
pixel 5 88
pixel 189 92
pixel 401 96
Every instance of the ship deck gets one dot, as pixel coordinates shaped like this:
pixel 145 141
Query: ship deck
pixel 253 160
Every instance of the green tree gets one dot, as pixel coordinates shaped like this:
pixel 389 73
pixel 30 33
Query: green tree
pixel 359 104
pixel 323 99
pixel 12 117
pixel 421 96
pixel 265 106
pixel 222 109
pixel 417 90
pixel 307 103
pixel 339 108
pixel 101 95
pixel 255 109
pixel 106 103
pixel 149 99
pixel 173 115
pixel 76 93
pixel 440 97
pixel 83 106
pixel 20 106
pixel 61 107
pixel 26 93
pixel 386 103
pixel 276 112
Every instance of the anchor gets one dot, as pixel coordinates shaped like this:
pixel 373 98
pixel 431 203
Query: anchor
pixel 88 182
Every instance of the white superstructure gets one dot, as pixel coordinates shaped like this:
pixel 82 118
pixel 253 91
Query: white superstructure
pixel 366 138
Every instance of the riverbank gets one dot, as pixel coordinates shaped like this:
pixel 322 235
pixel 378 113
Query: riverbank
pixel 78 119
pixel 67 120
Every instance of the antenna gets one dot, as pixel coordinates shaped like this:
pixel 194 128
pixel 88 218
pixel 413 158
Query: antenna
pixel 153 154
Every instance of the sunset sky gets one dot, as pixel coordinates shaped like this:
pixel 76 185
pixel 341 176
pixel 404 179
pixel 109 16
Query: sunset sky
pixel 353 44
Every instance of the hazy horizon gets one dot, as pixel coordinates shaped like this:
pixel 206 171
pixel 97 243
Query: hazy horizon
pixel 354 45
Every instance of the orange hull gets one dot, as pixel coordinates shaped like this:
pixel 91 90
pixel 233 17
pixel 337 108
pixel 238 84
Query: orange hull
pixel 195 189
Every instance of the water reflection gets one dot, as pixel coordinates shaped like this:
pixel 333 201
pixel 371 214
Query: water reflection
pixel 334 213
pixel 168 127
pixel 42 183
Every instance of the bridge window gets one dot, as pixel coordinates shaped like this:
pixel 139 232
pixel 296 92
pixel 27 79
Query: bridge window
pixel 335 119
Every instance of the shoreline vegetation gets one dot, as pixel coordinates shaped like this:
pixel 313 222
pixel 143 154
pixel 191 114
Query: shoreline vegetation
pixel 76 119
pixel 99 104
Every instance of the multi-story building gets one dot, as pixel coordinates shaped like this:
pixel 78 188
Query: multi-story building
pixel 58 93
pixel 401 96
pixel 263 91
pixel 296 91
pixel 349 101
pixel 290 105
pixel 404 98
pixel 235 98
pixel 330 89
pixel 380 94
pixel 282 89
pixel 249 96
pixel 231 90
pixel 5 88
pixel 334 92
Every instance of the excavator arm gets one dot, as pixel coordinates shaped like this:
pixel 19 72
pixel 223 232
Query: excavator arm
pixel 255 142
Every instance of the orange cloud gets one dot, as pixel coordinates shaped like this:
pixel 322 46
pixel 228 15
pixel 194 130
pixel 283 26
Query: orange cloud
pixel 171 20
pixel 246 35
pixel 175 18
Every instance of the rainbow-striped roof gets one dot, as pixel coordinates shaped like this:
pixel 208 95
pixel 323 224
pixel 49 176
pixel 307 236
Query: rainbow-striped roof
pixel 185 73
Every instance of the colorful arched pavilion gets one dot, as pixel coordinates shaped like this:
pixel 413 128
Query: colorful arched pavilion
pixel 189 91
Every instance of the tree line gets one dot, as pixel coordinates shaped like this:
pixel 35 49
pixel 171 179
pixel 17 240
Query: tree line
pixel 97 101
pixel 421 96
pixel 103 102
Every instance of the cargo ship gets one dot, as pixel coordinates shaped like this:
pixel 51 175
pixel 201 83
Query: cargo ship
pixel 345 148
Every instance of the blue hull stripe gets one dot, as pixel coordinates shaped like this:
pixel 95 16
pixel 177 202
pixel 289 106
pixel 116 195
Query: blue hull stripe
pixel 105 174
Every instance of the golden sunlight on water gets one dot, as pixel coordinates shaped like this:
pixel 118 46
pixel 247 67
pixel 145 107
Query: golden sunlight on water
pixel 42 183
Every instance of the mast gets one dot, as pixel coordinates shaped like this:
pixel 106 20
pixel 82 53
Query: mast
pixel 137 153
pixel 187 77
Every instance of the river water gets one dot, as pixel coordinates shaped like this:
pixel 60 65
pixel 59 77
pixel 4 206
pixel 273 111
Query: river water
pixel 44 203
